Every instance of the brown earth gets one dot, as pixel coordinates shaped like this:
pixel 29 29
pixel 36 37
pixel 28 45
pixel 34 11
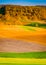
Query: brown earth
pixel 10 45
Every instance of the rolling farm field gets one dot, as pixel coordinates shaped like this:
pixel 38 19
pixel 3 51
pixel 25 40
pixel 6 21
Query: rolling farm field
pixel 22 32
pixel 22 45
pixel 27 33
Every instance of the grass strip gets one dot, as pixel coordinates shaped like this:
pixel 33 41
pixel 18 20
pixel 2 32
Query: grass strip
pixel 23 55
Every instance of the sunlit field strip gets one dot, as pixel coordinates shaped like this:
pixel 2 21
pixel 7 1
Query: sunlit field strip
pixel 22 61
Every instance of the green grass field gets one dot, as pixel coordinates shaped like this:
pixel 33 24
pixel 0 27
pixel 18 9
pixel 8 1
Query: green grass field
pixel 30 58
pixel 24 55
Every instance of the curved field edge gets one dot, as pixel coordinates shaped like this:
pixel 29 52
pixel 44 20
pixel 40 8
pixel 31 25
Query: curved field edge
pixel 23 55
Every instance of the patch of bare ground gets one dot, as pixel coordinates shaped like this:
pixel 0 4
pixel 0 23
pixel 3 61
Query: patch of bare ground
pixel 10 45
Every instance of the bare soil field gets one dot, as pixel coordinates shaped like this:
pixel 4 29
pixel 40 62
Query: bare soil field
pixel 9 45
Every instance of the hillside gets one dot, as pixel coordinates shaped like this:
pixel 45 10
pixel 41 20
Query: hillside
pixel 22 15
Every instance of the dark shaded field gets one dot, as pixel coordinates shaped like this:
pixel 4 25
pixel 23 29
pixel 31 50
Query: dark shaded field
pixel 36 24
